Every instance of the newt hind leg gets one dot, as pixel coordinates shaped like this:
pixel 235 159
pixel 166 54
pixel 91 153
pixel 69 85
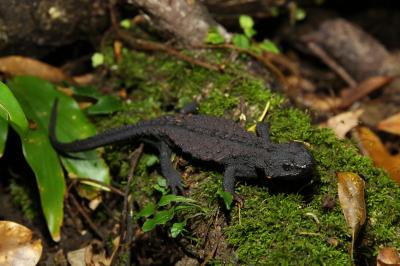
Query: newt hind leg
pixel 173 177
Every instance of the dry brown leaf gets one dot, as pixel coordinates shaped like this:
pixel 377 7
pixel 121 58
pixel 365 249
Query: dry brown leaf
pixel 84 79
pixel 371 146
pixel 93 254
pixel 363 89
pixel 118 51
pixel 391 124
pixel 388 256
pixel 320 103
pixel 344 122
pixel 19 65
pixel 351 197
pixel 17 246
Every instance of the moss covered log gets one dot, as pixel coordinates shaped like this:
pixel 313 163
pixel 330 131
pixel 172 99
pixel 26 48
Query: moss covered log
pixel 274 227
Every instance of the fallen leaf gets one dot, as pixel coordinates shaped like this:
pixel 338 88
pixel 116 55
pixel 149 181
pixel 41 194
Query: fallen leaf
pixel 344 122
pixel 320 103
pixel 388 256
pixel 349 96
pixel 19 65
pixel 17 246
pixel 371 146
pixel 118 51
pixel 84 79
pixel 93 254
pixel 391 124
pixel 351 197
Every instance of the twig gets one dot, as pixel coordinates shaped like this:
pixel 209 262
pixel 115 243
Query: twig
pixel 318 51
pixel 126 231
pixel 89 221
pixel 102 184
pixel 263 60
pixel 148 45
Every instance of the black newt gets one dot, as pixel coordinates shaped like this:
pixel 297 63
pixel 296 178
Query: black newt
pixel 209 139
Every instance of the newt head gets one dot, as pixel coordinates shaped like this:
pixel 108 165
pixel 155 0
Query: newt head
pixel 289 161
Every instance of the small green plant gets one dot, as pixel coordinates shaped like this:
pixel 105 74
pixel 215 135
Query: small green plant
pixel 244 40
pixel 97 59
pixel 214 37
pixel 126 24
pixel 167 208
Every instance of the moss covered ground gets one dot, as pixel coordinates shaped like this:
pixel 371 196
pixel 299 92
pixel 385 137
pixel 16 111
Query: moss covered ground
pixel 273 228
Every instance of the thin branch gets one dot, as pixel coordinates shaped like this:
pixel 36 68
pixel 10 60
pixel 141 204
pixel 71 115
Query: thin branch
pixel 89 221
pixel 331 63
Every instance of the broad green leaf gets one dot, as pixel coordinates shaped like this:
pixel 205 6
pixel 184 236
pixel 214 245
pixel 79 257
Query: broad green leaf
pixel 86 91
pixel 167 199
pixel 177 228
pixel 147 211
pixel 71 123
pixel 11 111
pixel 105 105
pixel 241 41
pixel 36 97
pixel 3 135
pixel 50 178
pixel 227 197
pixel 161 217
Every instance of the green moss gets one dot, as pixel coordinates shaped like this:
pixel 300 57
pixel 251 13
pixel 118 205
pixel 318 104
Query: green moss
pixel 22 198
pixel 273 229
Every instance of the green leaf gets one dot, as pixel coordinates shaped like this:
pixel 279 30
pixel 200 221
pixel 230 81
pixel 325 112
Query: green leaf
pixel 49 176
pixel 269 46
pixel 161 217
pixel 300 14
pixel 126 24
pixel 105 105
pixel 38 151
pixel 147 211
pixel 177 228
pixel 87 91
pixel 249 33
pixel 11 111
pixel 214 37
pixel 241 41
pixel 152 160
pixel 3 135
pixel 162 182
pixel 246 22
pixel 227 197
pixel 97 59
pixel 167 199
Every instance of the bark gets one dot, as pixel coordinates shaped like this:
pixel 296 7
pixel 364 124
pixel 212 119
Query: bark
pixel 187 21
pixel 35 27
